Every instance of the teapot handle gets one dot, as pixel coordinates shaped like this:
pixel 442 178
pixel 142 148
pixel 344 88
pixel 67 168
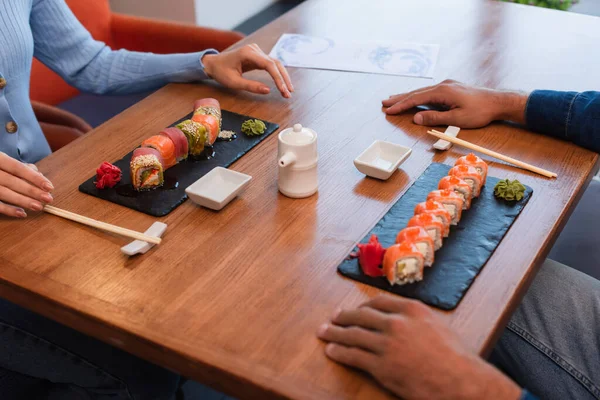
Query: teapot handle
pixel 287 159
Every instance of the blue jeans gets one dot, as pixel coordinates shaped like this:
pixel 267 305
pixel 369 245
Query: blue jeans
pixel 551 346
pixel 52 359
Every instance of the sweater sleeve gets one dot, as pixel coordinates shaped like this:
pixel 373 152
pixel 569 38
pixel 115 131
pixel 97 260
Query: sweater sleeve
pixel 567 115
pixel 64 45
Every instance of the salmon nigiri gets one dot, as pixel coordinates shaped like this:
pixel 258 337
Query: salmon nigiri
pixel 403 263
pixel 437 209
pixel 462 188
pixel 419 236
pixel 165 146
pixel 474 161
pixel 451 201
pixel 432 224
pixel 212 127
pixel 470 175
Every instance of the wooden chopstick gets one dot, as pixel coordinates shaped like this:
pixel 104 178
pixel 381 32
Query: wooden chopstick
pixel 102 225
pixel 491 153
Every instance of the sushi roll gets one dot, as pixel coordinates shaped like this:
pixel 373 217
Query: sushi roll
pixel 165 146
pixel 437 209
pixel 403 263
pixel 146 168
pixel 196 136
pixel 432 224
pixel 470 175
pixel 474 161
pixel 462 188
pixel 179 140
pixel 451 202
pixel 419 236
pixel 212 127
pixel 208 106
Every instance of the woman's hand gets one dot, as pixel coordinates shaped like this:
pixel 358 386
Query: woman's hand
pixel 405 347
pixel 227 69
pixel 467 106
pixel 22 187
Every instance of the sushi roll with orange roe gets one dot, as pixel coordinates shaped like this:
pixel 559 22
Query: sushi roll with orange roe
pixel 470 175
pixel 473 161
pixel 419 236
pixel 435 208
pixel 432 224
pixel 403 263
pixel 462 188
pixel 451 202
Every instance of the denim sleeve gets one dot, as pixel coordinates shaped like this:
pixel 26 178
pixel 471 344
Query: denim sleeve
pixel 525 395
pixel 566 115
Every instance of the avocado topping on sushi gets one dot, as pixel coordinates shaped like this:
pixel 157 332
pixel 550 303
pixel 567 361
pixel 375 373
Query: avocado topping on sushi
pixel 509 190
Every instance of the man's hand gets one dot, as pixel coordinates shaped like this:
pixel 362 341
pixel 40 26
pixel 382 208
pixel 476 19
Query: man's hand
pixel 405 347
pixel 227 69
pixel 22 187
pixel 467 107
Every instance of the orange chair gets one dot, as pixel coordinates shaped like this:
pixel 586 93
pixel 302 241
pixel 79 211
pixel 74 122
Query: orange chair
pixel 126 32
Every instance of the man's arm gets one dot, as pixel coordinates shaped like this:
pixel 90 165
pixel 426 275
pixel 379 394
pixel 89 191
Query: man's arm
pixel 567 115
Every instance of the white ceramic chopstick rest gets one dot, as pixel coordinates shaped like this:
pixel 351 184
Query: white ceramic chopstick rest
pixel 444 145
pixel 157 229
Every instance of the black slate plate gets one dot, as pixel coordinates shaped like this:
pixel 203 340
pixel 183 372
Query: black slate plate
pixel 161 201
pixel 465 251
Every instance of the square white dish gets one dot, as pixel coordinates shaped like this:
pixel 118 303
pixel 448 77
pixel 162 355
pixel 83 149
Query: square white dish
pixel 381 159
pixel 217 188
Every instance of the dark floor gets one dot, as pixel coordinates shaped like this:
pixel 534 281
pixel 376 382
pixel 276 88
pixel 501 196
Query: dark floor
pixel 267 15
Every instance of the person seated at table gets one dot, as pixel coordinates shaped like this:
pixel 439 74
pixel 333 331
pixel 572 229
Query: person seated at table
pixel 48 30
pixel 34 347
pixel 551 346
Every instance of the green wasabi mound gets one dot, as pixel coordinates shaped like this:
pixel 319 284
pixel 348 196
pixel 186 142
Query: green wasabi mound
pixel 509 190
pixel 254 127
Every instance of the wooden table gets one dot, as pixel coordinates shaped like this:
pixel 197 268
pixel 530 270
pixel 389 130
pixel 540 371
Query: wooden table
pixel 234 298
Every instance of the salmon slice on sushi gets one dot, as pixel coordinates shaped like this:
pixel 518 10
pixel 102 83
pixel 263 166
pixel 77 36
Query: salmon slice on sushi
pixel 211 124
pixel 208 106
pixel 419 236
pixel 403 263
pixel 437 209
pixel 462 188
pixel 165 146
pixel 196 136
pixel 451 202
pixel 432 224
pixel 470 175
pixel 473 161
pixel 179 140
pixel 146 169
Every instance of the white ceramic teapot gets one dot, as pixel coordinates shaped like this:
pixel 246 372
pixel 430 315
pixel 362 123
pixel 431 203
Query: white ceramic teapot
pixel 297 159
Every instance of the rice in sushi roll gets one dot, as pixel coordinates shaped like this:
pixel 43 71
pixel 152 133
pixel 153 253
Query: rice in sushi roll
pixel 476 162
pixel 419 236
pixel 451 202
pixel 437 209
pixel 432 224
pixel 462 188
pixel 470 175
pixel 196 136
pixel 403 263
pixel 146 169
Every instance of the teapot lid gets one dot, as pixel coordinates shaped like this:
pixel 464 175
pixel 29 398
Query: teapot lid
pixel 298 135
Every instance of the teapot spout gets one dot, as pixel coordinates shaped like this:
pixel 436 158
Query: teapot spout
pixel 287 159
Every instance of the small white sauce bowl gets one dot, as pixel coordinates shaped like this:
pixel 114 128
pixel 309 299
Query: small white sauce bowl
pixel 217 188
pixel 381 159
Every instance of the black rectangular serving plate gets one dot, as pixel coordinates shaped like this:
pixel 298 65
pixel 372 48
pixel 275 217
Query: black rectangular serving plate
pixel 464 253
pixel 159 202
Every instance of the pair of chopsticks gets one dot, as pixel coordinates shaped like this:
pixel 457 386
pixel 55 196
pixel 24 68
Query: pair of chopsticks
pixel 102 225
pixel 491 153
